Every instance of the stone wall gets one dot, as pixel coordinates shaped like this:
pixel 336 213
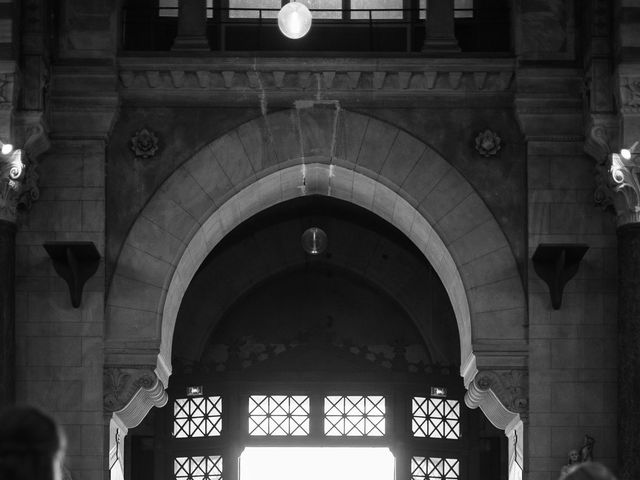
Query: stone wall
pixel 60 348
pixel 572 360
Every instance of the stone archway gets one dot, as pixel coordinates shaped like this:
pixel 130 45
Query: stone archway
pixel 319 150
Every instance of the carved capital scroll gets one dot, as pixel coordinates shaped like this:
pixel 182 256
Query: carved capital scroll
pixel 625 187
pixel 121 384
pixel 503 395
pixel 12 179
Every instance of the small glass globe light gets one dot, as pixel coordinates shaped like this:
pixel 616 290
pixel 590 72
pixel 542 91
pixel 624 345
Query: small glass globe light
pixel 6 148
pixel 625 153
pixel 294 20
pixel 314 241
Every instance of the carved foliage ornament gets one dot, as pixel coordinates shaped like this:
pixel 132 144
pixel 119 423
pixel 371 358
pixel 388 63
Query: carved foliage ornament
pixel 511 387
pixel 144 143
pixel 121 384
pixel 18 184
pixel 488 143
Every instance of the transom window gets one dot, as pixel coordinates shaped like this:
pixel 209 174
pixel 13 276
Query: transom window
pixel 436 418
pixel 197 417
pixel 354 416
pixel 278 415
pixel 198 468
pixel 428 468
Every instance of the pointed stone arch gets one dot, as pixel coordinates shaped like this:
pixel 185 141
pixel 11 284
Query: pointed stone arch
pixel 319 149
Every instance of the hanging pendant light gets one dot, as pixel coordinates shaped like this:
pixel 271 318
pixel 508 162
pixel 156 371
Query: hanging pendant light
pixel 294 20
pixel 314 241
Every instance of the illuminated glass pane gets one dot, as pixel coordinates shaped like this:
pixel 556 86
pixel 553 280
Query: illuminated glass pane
pixel 198 468
pixel 197 417
pixel 354 416
pixel 379 9
pixel 278 415
pixel 425 468
pixel 435 418
pixel 463 8
pixel 169 8
pixel 269 8
pixel 325 9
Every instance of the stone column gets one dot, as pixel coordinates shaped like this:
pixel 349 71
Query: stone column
pixel 439 34
pixel 12 172
pixel 625 188
pixel 192 26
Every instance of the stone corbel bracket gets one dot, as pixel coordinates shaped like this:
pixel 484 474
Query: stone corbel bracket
pixel 503 398
pixel 129 394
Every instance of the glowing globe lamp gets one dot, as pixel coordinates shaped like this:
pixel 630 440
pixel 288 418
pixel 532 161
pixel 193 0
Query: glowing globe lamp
pixel 294 20
pixel 314 241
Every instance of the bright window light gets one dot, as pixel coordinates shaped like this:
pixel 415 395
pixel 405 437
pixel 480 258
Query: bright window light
pixel 320 463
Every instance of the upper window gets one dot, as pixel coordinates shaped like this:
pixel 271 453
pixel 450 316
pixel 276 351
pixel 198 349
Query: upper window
pixel 278 415
pixel 435 418
pixel 354 416
pixel 197 417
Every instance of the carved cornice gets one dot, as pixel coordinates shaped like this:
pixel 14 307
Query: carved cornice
pixel 315 75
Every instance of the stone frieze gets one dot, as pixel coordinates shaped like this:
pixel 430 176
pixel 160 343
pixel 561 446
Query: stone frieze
pixel 318 75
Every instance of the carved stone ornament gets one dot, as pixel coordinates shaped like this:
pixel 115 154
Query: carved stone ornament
pixel 630 92
pixel 488 143
pixel 625 184
pixel 121 384
pixel 144 143
pixel 510 386
pixel 18 184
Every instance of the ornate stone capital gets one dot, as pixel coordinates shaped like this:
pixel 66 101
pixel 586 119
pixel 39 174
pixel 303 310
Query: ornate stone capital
pixel 503 395
pixel 12 176
pixel 121 384
pixel 624 185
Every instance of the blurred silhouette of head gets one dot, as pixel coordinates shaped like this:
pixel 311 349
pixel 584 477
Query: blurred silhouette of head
pixel 31 445
pixel 589 471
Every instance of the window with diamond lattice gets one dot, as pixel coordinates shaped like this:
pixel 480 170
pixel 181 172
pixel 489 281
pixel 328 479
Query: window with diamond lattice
pixel 198 468
pixel 197 417
pixel 435 418
pixel 425 468
pixel 278 415
pixel 354 416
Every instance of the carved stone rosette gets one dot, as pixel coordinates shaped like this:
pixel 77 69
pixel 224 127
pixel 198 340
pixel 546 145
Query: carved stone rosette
pixel 625 185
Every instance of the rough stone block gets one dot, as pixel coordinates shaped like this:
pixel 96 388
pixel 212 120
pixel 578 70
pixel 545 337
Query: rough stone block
pixel 480 241
pixel 462 218
pixel 139 265
pixel 147 236
pixel 405 152
pixel 506 324
pixel 284 135
pixel 230 154
pixel 93 215
pixel 376 145
pixel 539 441
pixel 130 293
pixel 351 131
pixel 567 353
pixel 257 145
pixel 425 175
pixel 53 307
pixel 58 351
pixel 61 171
pixel 131 325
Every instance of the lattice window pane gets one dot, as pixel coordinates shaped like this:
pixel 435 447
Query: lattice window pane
pixel 354 416
pixel 198 468
pixel 278 415
pixel 197 417
pixel 435 418
pixel 425 468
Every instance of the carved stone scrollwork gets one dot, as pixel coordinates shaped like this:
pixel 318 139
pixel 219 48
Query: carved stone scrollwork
pixel 121 384
pixel 12 176
pixel 598 144
pixel 625 184
pixel 510 386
